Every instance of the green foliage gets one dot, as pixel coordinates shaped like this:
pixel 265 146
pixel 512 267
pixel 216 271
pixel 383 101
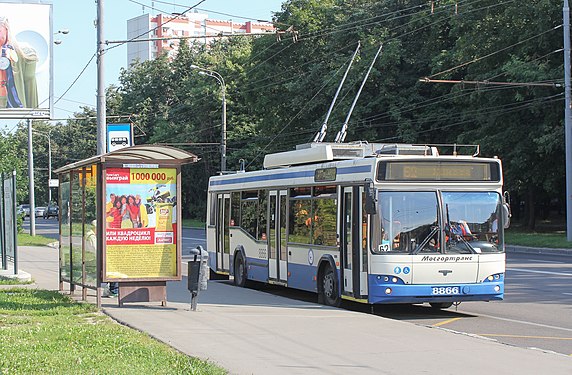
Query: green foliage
pixel 278 90
pixel 46 332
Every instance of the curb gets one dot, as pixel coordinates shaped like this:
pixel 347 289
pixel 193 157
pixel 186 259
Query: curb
pixel 537 250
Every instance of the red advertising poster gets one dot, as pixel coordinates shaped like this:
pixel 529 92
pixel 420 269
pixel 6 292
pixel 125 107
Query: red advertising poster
pixel 141 227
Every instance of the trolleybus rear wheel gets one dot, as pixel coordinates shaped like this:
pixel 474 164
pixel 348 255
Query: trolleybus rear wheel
pixel 330 288
pixel 239 271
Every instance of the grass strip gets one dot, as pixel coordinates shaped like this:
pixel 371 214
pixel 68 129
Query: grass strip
pixel 45 332
pixel 555 240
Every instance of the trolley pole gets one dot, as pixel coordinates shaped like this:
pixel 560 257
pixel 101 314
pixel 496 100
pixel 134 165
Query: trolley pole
pixel 567 119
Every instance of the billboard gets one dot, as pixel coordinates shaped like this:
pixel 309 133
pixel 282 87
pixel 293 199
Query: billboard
pixel 141 223
pixel 25 59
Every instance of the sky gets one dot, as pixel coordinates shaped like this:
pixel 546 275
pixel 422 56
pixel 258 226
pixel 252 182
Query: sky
pixel 77 47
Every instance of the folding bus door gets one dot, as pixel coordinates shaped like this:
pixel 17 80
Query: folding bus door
pixel 350 241
pixel 223 233
pixel 277 268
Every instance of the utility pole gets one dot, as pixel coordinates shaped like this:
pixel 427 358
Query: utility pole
pixel 31 181
pixel 567 119
pixel 101 108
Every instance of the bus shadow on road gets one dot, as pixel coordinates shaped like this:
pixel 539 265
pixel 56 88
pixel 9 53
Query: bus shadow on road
pixel 259 294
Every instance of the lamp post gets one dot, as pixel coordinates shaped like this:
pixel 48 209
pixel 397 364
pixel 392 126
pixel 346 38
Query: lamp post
pixel 62 31
pixel 48 135
pixel 218 77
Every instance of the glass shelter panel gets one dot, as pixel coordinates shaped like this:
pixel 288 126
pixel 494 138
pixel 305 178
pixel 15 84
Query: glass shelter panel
pixel 65 239
pixel 90 256
pixel 76 215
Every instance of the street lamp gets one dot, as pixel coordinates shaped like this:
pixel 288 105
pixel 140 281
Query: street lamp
pixel 62 31
pixel 218 77
pixel 48 135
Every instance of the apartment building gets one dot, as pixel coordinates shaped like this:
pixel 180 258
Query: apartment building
pixel 195 27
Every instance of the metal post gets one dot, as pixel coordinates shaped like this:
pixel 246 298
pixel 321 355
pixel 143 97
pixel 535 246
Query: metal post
pixel 218 77
pixel 31 180
pixel 101 108
pixel 567 119
pixel 49 169
pixel 223 140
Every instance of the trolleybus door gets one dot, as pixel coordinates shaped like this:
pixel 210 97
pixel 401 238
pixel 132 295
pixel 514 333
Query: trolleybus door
pixel 222 232
pixel 277 265
pixel 350 240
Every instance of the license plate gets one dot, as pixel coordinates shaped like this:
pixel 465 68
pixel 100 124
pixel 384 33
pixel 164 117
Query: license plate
pixel 444 290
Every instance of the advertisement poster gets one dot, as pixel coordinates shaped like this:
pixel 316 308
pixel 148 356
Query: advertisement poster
pixel 141 227
pixel 25 59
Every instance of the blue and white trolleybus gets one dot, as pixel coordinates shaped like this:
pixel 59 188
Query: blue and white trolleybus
pixel 373 223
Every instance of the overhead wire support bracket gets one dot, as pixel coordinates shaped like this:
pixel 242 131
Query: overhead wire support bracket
pixel 490 83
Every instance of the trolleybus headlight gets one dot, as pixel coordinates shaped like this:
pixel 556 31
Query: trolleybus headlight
pixel 497 288
pixel 497 276
pixel 394 280
pixel 387 290
pixel 386 278
pixel 490 278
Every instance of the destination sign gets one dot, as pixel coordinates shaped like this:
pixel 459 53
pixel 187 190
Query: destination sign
pixel 438 171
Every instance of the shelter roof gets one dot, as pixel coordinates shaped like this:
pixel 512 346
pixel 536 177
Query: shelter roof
pixel 139 153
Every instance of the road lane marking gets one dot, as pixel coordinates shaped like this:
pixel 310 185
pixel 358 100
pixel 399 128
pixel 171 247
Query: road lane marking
pixel 544 261
pixel 517 321
pixel 568 294
pixel 446 322
pixel 543 272
pixel 524 336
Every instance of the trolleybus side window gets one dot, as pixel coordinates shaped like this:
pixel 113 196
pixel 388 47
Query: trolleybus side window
pixel 249 212
pixel 313 215
pixel 234 209
pixel 212 209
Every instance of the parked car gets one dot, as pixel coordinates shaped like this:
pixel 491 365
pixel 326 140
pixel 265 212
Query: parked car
pixel 23 209
pixel 51 211
pixel 40 211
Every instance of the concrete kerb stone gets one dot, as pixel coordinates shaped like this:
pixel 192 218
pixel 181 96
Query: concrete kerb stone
pixel 537 250
pixel 21 276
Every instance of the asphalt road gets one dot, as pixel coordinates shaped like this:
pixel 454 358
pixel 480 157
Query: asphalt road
pixel 536 312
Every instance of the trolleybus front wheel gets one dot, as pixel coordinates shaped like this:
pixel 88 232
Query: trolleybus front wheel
pixel 441 305
pixel 329 290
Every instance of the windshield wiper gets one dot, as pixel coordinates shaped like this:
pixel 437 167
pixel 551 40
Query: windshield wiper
pixel 426 240
pixel 469 246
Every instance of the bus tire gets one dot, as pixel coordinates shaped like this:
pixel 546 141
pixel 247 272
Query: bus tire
pixel 329 287
pixel 239 271
pixel 441 305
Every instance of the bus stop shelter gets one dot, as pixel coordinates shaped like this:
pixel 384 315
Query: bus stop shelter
pixel 120 221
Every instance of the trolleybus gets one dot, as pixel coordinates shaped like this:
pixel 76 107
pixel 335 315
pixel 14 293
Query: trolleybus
pixel 373 223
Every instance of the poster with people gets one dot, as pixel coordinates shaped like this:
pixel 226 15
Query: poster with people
pixel 141 223
pixel 25 59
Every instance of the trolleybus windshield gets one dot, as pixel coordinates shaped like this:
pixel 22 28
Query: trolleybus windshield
pixel 415 222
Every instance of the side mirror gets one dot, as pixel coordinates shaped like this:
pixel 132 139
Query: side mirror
pixel 506 215
pixel 506 209
pixel 370 198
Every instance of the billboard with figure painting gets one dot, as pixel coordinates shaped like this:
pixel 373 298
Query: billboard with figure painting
pixel 25 59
